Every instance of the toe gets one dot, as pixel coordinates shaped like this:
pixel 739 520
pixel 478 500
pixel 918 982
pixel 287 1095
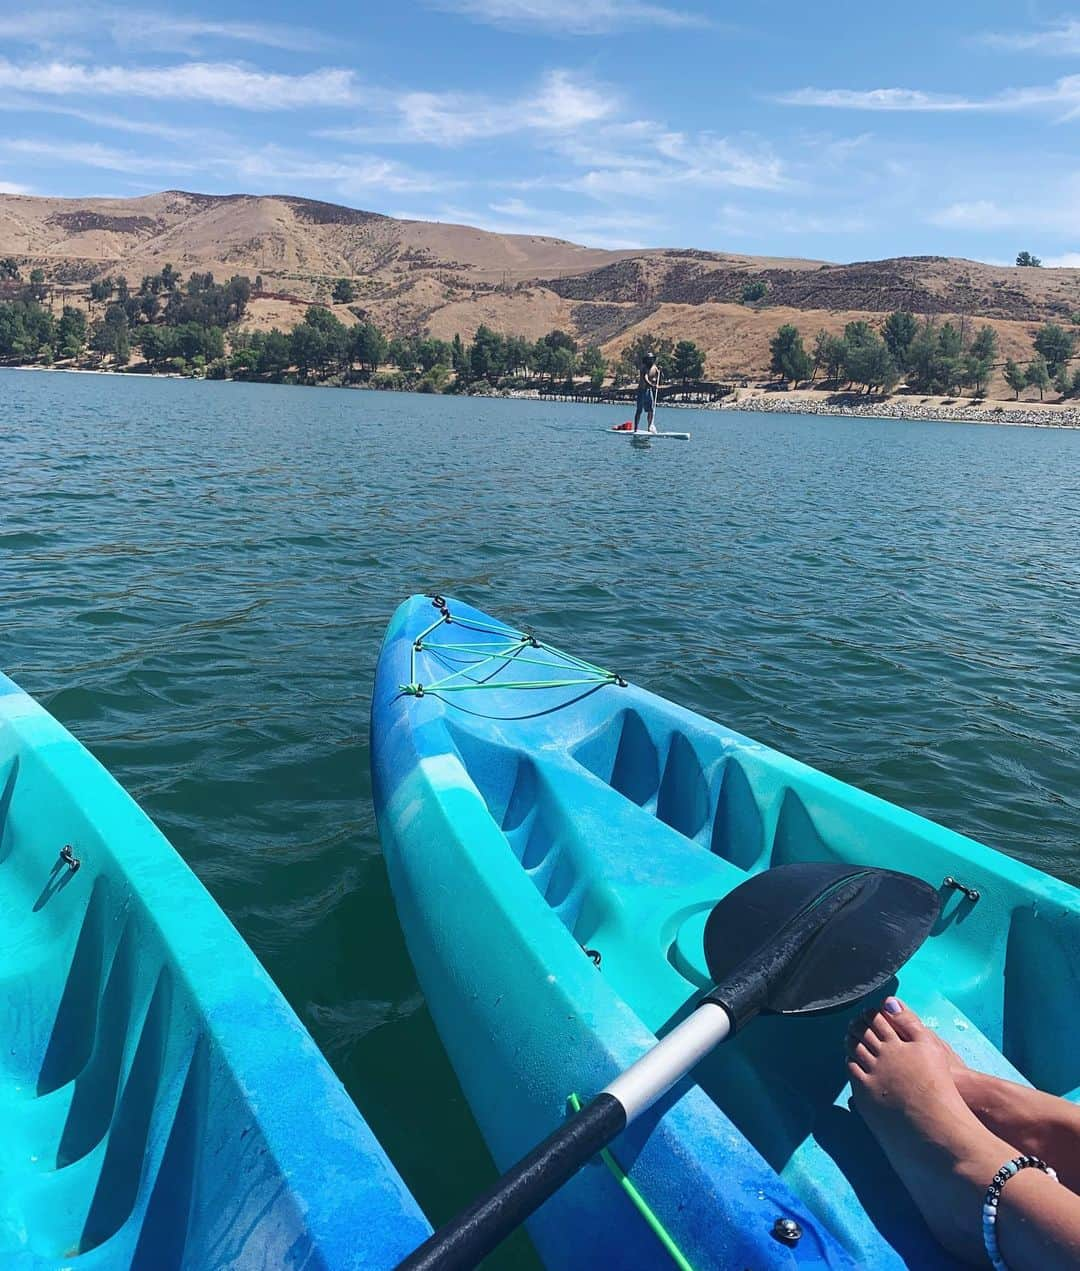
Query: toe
pixel 902 1020
pixel 862 1057
pixel 857 1076
pixel 862 1036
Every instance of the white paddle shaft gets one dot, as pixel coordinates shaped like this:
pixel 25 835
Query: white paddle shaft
pixel 656 1072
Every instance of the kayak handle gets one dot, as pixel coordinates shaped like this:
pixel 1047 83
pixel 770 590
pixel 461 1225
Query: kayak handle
pixel 464 1242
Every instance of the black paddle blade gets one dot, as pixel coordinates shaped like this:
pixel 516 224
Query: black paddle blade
pixel 813 936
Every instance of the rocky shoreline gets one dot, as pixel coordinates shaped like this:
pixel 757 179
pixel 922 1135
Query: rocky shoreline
pixel 1027 414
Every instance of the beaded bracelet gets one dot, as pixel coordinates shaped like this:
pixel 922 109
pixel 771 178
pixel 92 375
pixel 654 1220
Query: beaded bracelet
pixel 993 1195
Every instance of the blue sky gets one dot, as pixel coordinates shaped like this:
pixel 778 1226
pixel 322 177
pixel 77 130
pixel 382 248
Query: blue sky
pixel 837 130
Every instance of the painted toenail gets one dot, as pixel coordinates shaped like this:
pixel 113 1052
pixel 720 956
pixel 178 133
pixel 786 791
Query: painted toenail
pixel 891 1006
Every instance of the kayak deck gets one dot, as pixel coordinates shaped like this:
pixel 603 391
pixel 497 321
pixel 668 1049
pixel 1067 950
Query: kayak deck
pixel 602 821
pixel 162 1106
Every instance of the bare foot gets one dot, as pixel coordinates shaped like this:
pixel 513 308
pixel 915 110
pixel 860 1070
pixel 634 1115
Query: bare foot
pixel 903 1086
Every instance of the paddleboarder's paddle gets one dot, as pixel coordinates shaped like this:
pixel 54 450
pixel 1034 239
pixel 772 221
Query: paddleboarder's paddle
pixel 793 940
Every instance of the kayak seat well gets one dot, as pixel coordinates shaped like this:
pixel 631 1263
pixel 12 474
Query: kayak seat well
pixel 698 786
pixel 107 1074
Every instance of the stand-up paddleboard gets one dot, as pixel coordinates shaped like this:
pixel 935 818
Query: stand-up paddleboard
pixel 644 432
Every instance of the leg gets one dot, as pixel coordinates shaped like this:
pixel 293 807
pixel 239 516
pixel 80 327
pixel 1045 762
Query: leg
pixel 903 1085
pixel 1038 1123
pixel 1034 1122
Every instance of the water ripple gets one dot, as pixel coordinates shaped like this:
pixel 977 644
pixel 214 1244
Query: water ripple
pixel 196 578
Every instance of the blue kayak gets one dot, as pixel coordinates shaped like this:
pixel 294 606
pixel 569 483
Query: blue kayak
pixel 557 837
pixel 162 1106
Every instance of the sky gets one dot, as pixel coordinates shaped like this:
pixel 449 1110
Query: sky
pixel 835 131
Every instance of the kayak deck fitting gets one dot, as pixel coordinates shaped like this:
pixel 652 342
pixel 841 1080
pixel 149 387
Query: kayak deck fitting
pixel 162 1106
pixel 555 849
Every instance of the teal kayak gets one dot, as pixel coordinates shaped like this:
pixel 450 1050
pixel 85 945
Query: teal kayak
pixel 162 1106
pixel 556 839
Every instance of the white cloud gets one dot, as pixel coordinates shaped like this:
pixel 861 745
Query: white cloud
pixel 223 83
pixel 1062 94
pixel 741 221
pixel 93 155
pixel 513 216
pixel 146 28
pixel 573 17
pixel 1060 40
pixel 117 123
pixel 1067 260
pixel 561 104
pixel 1056 212
pixel 644 160
pixel 349 175
pixel 13 187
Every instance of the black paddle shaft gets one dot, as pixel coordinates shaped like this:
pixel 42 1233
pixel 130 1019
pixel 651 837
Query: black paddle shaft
pixel 462 1243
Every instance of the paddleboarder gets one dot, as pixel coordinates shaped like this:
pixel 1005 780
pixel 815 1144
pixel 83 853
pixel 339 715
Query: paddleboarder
pixel 648 387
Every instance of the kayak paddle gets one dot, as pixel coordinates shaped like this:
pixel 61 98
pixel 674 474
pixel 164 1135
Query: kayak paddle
pixel 794 940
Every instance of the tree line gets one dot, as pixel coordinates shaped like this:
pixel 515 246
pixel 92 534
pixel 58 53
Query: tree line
pixel 929 357
pixel 191 327
pixel 175 324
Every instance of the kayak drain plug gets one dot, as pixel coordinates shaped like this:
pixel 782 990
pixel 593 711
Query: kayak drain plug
pixel 787 1231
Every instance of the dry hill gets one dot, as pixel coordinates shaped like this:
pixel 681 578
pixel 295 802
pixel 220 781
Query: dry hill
pixel 416 275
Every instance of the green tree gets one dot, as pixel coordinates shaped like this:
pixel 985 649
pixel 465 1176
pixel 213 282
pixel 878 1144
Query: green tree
pixel 275 355
pixel 898 332
pixel 309 349
pixel 518 354
pixel 9 269
pixel 1055 344
pixel 159 344
pixel 244 362
pixel 870 363
pixel 1015 377
pixel 101 289
pixel 487 355
pixel 431 353
pixel 368 346
pixel 788 359
pixel 344 291
pixel 459 358
pixel 555 355
pixel 26 329
pixel 1028 261
pixel 753 290
pixel 688 361
pixel 979 358
pixel 1037 374
pixel 1062 382
pixel 828 354
pixel 402 353
pixel 594 365
pixel 71 332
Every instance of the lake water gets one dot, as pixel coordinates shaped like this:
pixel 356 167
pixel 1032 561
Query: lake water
pixel 195 578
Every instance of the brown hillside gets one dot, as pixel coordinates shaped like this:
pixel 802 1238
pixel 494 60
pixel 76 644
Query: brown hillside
pixel 422 276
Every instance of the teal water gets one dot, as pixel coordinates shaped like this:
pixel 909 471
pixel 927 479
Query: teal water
pixel 195 578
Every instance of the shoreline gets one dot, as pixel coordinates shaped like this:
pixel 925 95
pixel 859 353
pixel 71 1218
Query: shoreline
pixel 907 406
pixel 800 401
